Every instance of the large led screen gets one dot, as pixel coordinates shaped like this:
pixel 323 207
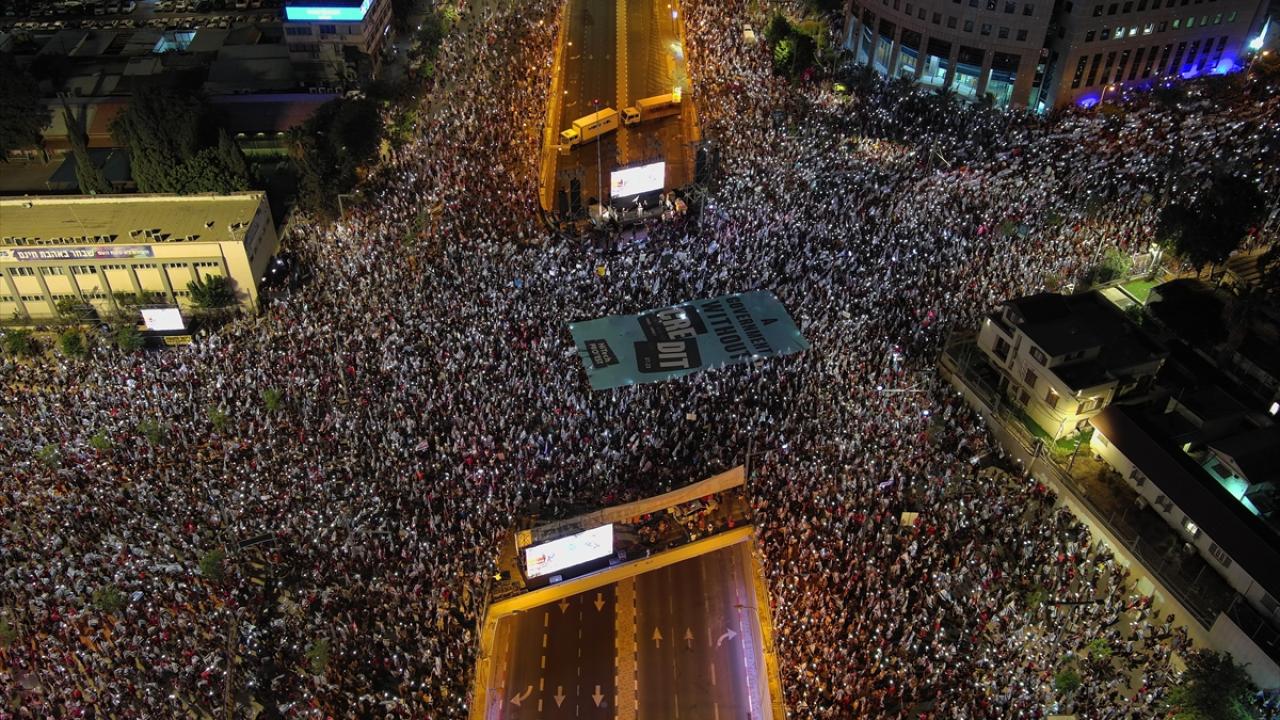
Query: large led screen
pixel 163 319
pixel 568 551
pixel 637 180
pixel 302 13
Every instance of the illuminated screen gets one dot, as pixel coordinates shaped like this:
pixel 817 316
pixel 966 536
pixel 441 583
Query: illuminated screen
pixel 163 319
pixel 568 551
pixel 636 180
pixel 340 14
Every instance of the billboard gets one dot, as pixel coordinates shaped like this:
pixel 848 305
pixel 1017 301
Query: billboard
pixel 554 556
pixel 637 180
pixel 163 318
pixel 304 12
pixel 683 339
pixel 83 252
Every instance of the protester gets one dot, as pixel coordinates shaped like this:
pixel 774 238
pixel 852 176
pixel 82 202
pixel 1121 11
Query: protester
pixel 429 395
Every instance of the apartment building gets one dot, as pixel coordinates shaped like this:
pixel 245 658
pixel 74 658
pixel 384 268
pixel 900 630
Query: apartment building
pixel 1061 359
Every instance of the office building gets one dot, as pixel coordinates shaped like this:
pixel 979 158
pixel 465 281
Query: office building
pixel 91 249
pixel 1040 54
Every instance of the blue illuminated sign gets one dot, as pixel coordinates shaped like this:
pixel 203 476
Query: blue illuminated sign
pixel 304 13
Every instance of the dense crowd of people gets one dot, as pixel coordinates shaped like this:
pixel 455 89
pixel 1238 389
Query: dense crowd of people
pixel 359 448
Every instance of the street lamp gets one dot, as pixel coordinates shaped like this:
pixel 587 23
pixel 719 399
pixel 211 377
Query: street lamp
pixel 1104 94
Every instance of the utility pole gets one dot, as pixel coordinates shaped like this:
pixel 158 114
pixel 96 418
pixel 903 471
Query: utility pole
pixel 599 171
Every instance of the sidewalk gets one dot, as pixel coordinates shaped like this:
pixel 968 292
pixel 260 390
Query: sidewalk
pixel 1194 601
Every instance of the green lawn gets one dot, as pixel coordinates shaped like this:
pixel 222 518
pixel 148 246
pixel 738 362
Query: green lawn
pixel 1139 289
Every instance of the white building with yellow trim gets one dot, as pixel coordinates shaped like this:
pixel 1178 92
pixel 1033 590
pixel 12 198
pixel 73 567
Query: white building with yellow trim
pixel 91 249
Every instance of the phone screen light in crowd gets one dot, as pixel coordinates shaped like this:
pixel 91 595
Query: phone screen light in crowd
pixel 1275 408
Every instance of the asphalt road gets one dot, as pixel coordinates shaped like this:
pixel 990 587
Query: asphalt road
pixel 608 64
pixel 558 660
pixel 696 640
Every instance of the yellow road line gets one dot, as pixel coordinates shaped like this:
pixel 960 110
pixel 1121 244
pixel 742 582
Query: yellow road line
pixel 620 66
pixel 480 689
pixel 550 134
pixel 626 705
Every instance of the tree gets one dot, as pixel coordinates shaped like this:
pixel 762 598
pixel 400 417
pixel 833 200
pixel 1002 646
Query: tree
pixel 272 398
pixel 231 155
pixel 218 419
pixel 212 291
pixel 1067 681
pixel 21 343
pixel 1213 687
pixel 207 172
pixel 318 656
pixel 8 633
pixel 162 129
pixel 108 599
pixel 329 147
pixel 211 564
pixel 49 456
pixel 100 441
pixel 175 146
pixel 127 338
pixel 72 343
pixel 1209 228
pixel 1098 649
pixel 89 176
pixel 153 431
pixel 777 29
pixel 23 117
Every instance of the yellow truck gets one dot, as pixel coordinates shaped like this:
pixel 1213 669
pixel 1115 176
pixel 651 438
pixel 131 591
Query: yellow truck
pixel 652 108
pixel 588 127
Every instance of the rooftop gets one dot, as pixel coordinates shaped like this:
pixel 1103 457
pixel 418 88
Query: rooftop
pixel 1061 325
pixel 42 220
pixel 1247 538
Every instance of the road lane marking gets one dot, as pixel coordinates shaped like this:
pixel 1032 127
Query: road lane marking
pixel 546 619
pixel 544 640
pixel 517 699
pixel 544 662
pixel 713 672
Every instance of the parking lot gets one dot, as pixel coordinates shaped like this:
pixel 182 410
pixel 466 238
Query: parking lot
pixel 162 14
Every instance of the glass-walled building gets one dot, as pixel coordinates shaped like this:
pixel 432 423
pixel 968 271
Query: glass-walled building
pixel 977 49
pixel 1042 54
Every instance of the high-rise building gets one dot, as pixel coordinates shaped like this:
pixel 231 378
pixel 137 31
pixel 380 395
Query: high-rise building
pixel 1043 54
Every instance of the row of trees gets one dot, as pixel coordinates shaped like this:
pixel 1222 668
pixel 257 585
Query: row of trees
pixel 176 146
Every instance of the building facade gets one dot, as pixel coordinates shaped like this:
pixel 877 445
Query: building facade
pixel 92 249
pixel 361 25
pixel 1103 46
pixel 1234 539
pixel 1041 54
pixel 974 48
pixel 1061 359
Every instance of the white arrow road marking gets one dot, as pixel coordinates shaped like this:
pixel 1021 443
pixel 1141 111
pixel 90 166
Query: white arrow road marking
pixel 657 638
pixel 688 637
pixel 517 699
pixel 564 605
pixel 728 635
pixel 599 603
pixel 559 696
pixel 597 696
